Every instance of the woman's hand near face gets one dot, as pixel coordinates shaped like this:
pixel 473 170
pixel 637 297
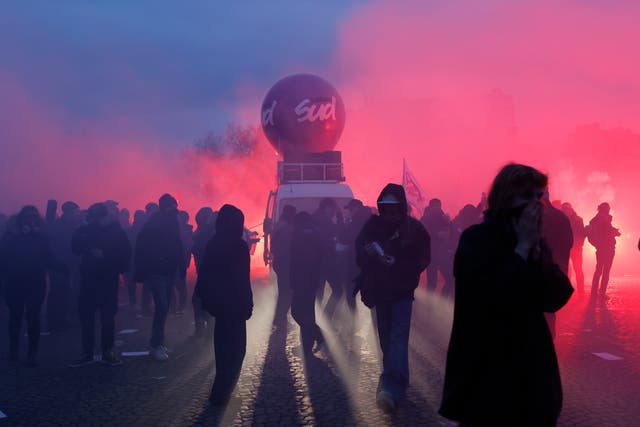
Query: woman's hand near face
pixel 528 228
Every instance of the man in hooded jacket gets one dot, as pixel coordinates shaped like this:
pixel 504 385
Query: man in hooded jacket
pixel 224 286
pixel 602 235
pixel 393 249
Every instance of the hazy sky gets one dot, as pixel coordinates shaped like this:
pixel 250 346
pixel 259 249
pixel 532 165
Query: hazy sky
pixel 172 65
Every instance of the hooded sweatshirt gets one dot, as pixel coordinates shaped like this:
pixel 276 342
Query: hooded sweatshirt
pixel 223 281
pixel 407 241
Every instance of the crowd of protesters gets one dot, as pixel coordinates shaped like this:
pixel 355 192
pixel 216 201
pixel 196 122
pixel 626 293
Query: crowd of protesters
pixel 504 263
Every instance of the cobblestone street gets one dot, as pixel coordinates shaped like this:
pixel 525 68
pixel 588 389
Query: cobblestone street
pixel 597 345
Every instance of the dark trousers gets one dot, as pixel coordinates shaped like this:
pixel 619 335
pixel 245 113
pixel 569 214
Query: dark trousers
pixel 230 346
pixel 284 296
pixel 303 311
pixel 58 301
pixel 200 316
pixel 443 263
pixel 19 303
pixel 131 286
pixel 161 288
pixel 180 285
pixel 147 296
pixel 98 295
pixel 604 261
pixel 393 323
pixel 576 263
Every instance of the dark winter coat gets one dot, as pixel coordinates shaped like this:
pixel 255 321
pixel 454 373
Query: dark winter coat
pixel 224 284
pixel 307 253
pixel 601 233
pixel 408 242
pixel 158 249
pixel 201 238
pixel 281 247
pixel 501 364
pixel 24 261
pixel 556 231
pixel 114 243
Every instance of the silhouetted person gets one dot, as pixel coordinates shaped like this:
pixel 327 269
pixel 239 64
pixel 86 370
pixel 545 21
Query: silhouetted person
pixel 556 232
pixel 501 364
pixel 602 235
pixel 52 211
pixel 186 237
pixel 205 220
pixel 105 253
pixel 281 239
pixel 225 289
pixel 307 252
pixel 469 215
pixel 577 228
pixel 328 220
pixel 439 227
pixel 393 249
pixel 158 259
pixel 25 257
pixel 61 285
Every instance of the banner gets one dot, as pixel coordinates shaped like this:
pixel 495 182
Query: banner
pixel 416 197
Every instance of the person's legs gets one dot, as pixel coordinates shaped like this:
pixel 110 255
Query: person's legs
pixel 87 311
pixel 606 270
pixel 303 312
pixel 336 294
pixel 34 307
pixel 108 310
pixel 147 295
pixel 284 297
pixel 131 288
pixel 597 273
pixel 397 321
pixel 230 344
pixel 577 266
pixel 58 301
pixel 199 315
pixel 16 313
pixel 161 287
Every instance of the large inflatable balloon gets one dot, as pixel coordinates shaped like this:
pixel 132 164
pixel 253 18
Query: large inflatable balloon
pixel 303 113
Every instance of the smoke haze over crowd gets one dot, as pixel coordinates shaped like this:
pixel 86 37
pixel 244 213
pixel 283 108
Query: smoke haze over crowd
pixel 109 106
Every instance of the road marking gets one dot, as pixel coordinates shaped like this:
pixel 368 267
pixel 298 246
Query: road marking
pixel 127 331
pixel 608 356
pixel 135 353
pixel 158 378
pixel 2 415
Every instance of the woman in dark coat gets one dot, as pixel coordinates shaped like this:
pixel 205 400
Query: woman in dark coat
pixel 25 257
pixel 502 368
pixel 224 287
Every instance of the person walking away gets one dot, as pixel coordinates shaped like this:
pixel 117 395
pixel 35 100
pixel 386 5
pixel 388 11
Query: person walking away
pixel 224 287
pixel 281 261
pixel 602 235
pixel 307 252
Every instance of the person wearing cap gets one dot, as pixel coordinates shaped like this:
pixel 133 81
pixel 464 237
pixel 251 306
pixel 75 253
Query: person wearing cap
pixel 602 235
pixel 25 258
pixel 392 250
pixel 105 253
pixel 62 285
pixel 158 259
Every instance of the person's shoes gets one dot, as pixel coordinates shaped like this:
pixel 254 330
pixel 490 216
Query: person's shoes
pixel 85 360
pixel 159 353
pixel 385 401
pixel 109 358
